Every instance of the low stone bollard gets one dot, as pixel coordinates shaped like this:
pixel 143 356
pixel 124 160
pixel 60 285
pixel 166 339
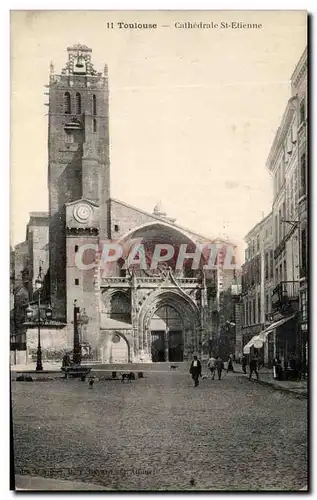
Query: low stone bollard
pixel 24 378
pixel 76 372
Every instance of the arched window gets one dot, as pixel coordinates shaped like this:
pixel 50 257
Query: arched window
pixel 120 307
pixel 94 105
pixel 67 103
pixel 78 104
pixel 94 125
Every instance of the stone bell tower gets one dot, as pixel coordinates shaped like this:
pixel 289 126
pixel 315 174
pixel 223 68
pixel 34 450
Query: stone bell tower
pixel 78 155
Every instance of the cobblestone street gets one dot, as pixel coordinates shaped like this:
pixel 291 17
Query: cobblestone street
pixel 162 433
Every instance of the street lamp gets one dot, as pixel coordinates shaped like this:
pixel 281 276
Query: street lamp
pixel 48 315
pixel 77 347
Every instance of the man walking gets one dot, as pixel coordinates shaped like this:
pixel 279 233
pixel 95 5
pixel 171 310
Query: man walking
pixel 244 364
pixel 230 364
pixel 212 367
pixel 195 371
pixel 219 366
pixel 254 367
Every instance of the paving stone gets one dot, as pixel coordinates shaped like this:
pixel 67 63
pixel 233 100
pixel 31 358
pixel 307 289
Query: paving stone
pixel 161 433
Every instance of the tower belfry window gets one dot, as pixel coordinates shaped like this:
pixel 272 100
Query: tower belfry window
pixel 67 104
pixel 94 105
pixel 78 104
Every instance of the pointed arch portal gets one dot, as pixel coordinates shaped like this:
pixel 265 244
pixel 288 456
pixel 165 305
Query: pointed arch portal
pixel 171 327
pixel 167 334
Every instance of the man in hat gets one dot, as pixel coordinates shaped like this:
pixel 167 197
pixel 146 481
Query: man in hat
pixel 195 371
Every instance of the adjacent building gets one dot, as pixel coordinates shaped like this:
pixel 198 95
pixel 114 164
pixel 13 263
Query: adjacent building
pixel 257 283
pixel 287 245
pixel 299 89
pixel 27 259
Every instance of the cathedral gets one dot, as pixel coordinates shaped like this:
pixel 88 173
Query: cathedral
pixel 129 313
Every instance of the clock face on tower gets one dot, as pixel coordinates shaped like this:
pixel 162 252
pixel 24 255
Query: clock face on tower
pixel 82 212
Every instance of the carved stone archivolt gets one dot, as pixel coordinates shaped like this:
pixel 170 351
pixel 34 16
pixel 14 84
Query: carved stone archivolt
pixel 106 297
pixel 187 309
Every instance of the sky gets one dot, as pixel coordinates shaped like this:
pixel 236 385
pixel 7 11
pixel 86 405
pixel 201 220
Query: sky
pixel 193 112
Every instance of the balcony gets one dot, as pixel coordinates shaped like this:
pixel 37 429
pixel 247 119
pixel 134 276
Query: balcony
pixel 303 272
pixel 285 297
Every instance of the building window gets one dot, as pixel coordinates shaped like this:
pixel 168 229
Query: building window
pixel 258 269
pixel 78 104
pixel 246 318
pixel 285 271
pixel 283 218
pixel 259 309
pixel 303 175
pixel 303 270
pixel 254 312
pixel 94 105
pixel 116 228
pixel 67 104
pixel 304 306
pixel 281 272
pixel 271 264
pixel 69 138
pixel 258 243
pixel 280 234
pixel 267 303
pixel 266 265
pixel 302 111
pixel 94 125
pixel 276 229
pixel 76 281
pixel 76 248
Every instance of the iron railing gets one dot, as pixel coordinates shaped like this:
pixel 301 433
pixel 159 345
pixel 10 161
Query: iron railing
pixel 284 293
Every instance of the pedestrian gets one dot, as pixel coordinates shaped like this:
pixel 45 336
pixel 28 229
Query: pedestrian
pixel 254 367
pixel 244 364
pixel 219 366
pixel 212 366
pixel 230 364
pixel 277 368
pixel 195 371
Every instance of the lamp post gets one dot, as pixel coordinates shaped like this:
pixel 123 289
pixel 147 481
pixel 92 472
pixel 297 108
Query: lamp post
pixel 77 348
pixel 48 315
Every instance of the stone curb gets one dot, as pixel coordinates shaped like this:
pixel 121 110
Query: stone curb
pixel 303 395
pixel 36 483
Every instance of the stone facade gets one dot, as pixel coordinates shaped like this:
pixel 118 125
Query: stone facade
pixel 78 154
pixel 54 342
pixel 257 282
pixel 287 164
pixel 299 88
pixel 126 315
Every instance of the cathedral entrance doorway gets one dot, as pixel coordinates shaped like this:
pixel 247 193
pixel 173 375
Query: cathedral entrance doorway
pixel 167 336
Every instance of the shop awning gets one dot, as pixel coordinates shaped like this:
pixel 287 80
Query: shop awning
pixel 264 334
pixel 256 342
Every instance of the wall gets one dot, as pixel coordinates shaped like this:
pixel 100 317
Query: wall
pixel 84 292
pixel 18 358
pixel 66 163
pixel 127 218
pixel 54 342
